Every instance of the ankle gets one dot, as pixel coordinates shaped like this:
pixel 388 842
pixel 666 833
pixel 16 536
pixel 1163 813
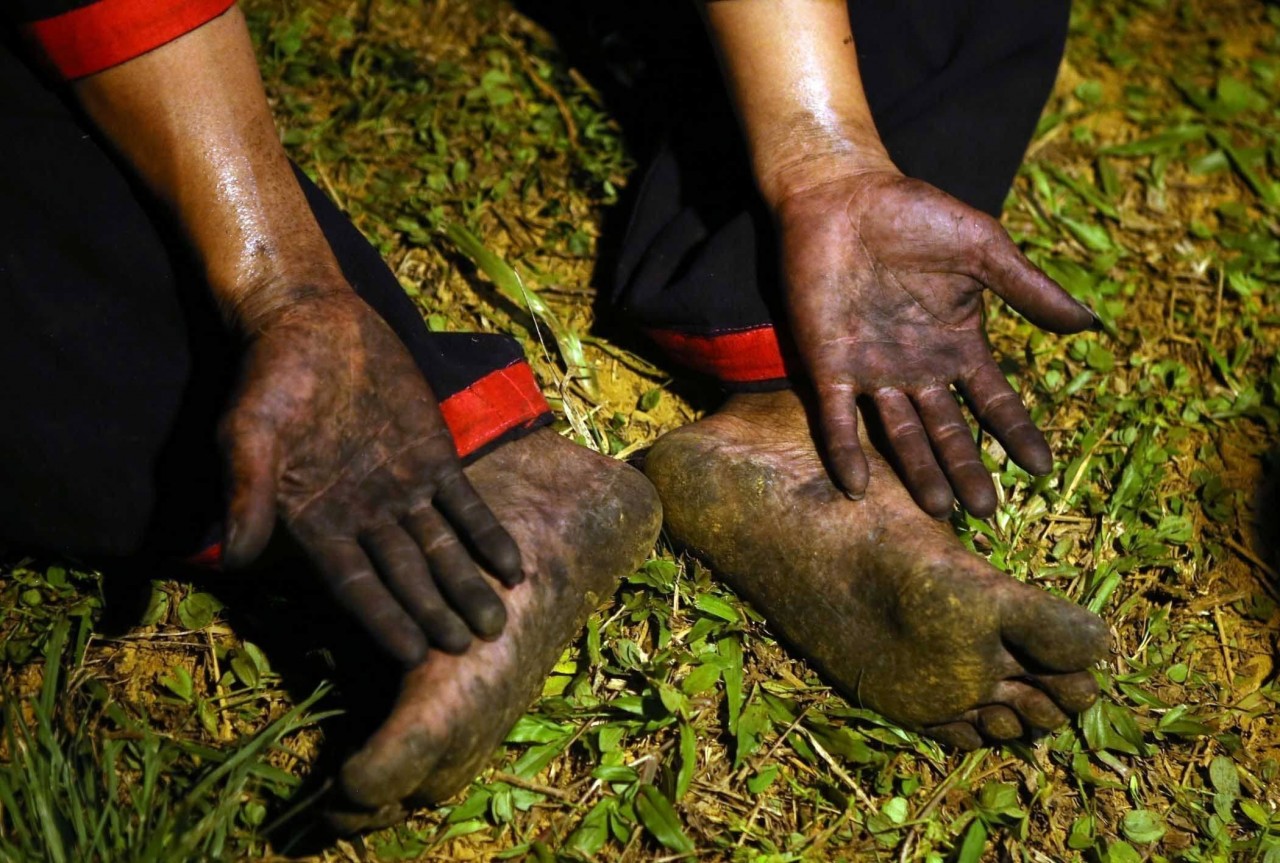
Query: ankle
pixel 762 405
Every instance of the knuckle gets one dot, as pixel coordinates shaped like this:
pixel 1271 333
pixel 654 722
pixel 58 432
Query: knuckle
pixel 951 431
pixel 440 544
pixel 968 465
pixel 450 479
pixel 999 401
pixel 346 582
pixel 906 433
pixel 1023 426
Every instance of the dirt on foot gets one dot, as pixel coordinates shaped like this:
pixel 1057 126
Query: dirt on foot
pixel 582 521
pixel 883 599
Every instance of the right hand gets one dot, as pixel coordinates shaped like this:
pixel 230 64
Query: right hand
pixel 885 280
pixel 333 431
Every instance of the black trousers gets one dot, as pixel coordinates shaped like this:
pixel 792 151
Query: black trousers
pixel 114 367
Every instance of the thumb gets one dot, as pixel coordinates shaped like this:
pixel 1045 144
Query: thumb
pixel 1038 298
pixel 251 455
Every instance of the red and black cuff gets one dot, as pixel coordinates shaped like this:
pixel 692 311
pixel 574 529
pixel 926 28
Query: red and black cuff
pixel 77 39
pixel 500 406
pixel 741 359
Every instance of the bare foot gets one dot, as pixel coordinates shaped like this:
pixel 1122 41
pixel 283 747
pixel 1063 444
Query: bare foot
pixel 883 599
pixel 582 521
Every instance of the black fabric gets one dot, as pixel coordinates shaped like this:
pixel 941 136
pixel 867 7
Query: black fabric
pixel 955 88
pixel 115 365
pixel 24 11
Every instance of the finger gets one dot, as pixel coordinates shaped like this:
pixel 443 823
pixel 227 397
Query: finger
pixel 1000 410
pixel 404 569
pixel 916 463
pixel 251 455
pixel 456 574
pixel 955 448
pixel 477 524
pixel 351 579
pixel 838 414
pixel 1038 298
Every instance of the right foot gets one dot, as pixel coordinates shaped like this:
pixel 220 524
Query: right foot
pixel 883 599
pixel 581 521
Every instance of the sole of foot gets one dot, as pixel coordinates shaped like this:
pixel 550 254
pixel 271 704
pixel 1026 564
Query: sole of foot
pixel 582 521
pixel 881 598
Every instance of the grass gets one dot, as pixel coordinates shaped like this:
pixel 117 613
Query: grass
pixel 483 165
pixel 82 781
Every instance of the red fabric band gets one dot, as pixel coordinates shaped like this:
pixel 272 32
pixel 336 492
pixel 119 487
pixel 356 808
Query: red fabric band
pixel 745 356
pixel 109 32
pixel 209 558
pixel 492 406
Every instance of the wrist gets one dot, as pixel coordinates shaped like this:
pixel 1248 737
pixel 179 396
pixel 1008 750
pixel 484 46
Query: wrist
pixel 810 153
pixel 254 307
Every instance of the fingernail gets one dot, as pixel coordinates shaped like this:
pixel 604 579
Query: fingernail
pixel 1097 326
pixel 853 496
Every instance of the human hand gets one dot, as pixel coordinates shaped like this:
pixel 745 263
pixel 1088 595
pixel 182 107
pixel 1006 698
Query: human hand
pixel 884 278
pixel 334 430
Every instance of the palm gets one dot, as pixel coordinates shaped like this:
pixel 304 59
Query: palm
pixel 335 431
pixel 885 279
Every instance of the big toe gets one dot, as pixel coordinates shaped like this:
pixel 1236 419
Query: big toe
pixel 1050 634
pixel 345 820
pixel 391 764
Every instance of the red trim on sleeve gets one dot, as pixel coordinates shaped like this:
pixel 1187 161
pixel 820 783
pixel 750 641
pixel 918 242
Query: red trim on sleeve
pixel 208 558
pixel 745 356
pixel 492 406
pixel 109 32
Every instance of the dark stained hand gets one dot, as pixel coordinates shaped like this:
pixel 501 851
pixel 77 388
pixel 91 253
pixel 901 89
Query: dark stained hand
pixel 885 278
pixel 334 432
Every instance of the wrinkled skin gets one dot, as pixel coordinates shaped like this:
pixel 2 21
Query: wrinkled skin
pixel 885 278
pixel 334 431
pixel 582 521
pixel 882 599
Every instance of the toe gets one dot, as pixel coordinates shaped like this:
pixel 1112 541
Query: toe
pixel 403 749
pixel 997 723
pixel 346 821
pixel 959 735
pixel 1074 693
pixel 1050 634
pixel 383 772
pixel 1034 708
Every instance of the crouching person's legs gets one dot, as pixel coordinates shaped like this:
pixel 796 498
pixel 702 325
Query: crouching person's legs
pixel 119 371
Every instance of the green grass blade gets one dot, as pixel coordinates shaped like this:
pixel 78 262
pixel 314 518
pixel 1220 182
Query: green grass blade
pixel 511 286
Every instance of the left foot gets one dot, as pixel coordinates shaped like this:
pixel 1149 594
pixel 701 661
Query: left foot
pixel 883 599
pixel 582 521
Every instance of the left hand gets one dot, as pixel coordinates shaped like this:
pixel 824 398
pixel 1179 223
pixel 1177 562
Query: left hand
pixel 884 278
pixel 334 433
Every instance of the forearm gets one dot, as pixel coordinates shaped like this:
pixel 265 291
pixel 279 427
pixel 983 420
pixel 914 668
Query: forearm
pixel 792 72
pixel 192 119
